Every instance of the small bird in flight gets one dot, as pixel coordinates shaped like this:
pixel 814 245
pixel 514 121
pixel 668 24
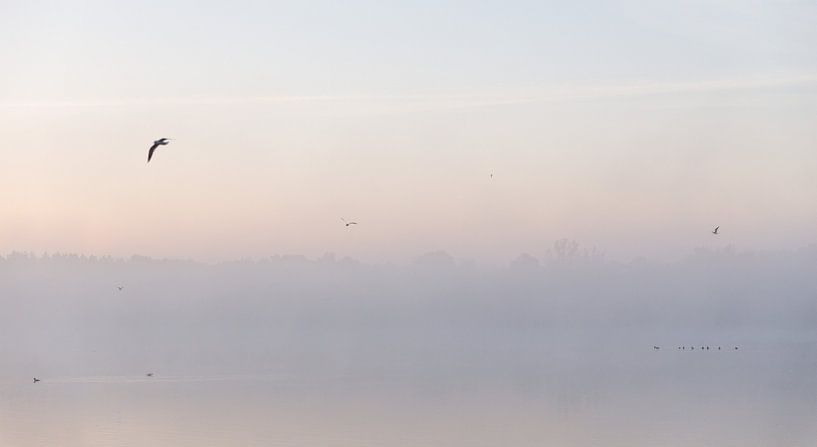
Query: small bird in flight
pixel 149 374
pixel 347 223
pixel 120 288
pixel 157 143
pixel 36 380
pixel 716 230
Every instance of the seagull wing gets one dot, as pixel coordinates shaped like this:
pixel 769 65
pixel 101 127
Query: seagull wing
pixel 153 148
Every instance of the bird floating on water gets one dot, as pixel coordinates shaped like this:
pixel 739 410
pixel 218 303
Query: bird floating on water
pixel 348 223
pixel 157 143
pixel 716 230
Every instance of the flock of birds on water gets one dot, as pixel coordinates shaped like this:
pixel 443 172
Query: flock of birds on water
pixel 347 223
pixel 692 348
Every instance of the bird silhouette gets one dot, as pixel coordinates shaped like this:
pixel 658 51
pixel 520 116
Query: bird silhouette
pixel 157 143
pixel 36 380
pixel 149 374
pixel 347 223
pixel 716 230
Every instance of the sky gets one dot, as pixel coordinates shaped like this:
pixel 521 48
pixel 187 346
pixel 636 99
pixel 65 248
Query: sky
pixel 459 135
pixel 633 127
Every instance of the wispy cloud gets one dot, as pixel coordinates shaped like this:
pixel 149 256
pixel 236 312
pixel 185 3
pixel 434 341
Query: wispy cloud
pixel 596 92
pixel 444 100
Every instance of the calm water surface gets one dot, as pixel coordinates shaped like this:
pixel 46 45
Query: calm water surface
pixel 761 395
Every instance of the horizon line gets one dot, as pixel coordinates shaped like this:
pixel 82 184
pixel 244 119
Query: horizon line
pixel 586 253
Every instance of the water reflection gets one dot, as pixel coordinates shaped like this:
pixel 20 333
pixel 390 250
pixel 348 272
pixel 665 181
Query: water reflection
pixel 766 395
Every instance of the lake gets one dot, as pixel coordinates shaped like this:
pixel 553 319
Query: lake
pixel 585 394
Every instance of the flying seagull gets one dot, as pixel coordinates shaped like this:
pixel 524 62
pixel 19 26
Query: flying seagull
pixel 36 380
pixel 157 143
pixel 347 223
pixel 716 230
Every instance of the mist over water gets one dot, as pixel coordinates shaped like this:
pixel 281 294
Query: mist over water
pixel 483 128
pixel 292 351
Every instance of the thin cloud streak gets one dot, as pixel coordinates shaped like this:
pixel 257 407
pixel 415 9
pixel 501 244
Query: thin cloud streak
pixel 445 101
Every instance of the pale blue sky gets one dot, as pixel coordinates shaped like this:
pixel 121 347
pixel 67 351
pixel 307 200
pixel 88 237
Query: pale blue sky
pixel 96 49
pixel 632 126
